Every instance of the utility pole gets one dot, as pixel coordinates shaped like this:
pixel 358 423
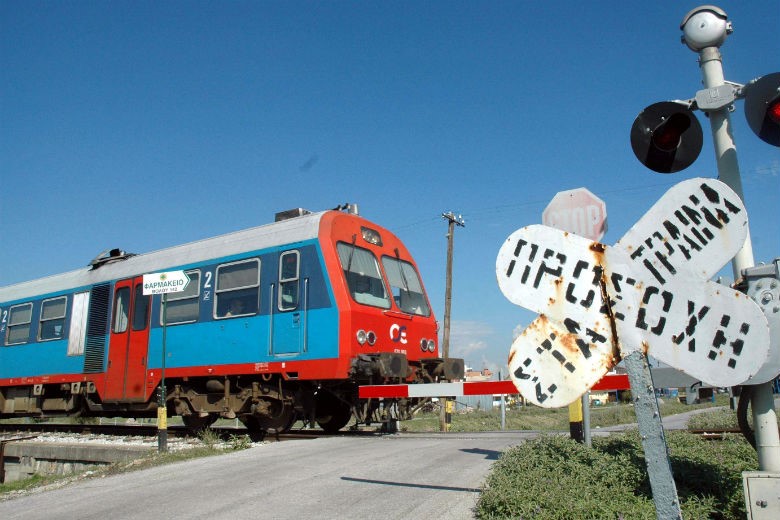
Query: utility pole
pixel 452 222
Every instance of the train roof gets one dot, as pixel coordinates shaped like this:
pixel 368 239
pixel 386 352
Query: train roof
pixel 287 231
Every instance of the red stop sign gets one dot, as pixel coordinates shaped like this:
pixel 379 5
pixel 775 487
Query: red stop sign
pixel 577 211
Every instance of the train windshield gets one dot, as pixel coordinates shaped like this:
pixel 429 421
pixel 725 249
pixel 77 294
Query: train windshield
pixel 405 286
pixel 361 270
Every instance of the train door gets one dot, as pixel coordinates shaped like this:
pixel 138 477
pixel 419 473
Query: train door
pixel 129 341
pixel 288 319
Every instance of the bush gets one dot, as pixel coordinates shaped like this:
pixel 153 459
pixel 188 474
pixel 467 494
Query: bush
pixel 554 477
pixel 718 419
pixel 714 469
pixel 209 438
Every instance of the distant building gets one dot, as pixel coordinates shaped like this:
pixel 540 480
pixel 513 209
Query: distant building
pixel 475 402
pixel 472 375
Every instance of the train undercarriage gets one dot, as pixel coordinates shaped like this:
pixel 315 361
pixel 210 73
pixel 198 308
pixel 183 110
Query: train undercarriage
pixel 265 403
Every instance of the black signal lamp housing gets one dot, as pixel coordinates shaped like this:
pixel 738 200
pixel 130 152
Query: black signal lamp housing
pixel 762 107
pixel 666 137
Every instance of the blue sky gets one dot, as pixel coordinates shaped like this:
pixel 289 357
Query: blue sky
pixel 142 125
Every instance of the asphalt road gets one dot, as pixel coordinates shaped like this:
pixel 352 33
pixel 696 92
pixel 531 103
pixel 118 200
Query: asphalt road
pixel 405 476
pixel 431 476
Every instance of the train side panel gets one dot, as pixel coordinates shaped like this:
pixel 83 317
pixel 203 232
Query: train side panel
pixel 208 339
pixel 301 332
pixel 40 341
pixel 265 333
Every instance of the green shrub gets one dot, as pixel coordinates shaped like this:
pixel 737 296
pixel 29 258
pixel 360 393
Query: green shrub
pixel 209 438
pixel 240 442
pixel 708 468
pixel 554 477
pixel 717 419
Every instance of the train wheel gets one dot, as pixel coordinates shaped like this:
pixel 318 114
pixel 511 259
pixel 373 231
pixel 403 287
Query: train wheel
pixel 280 423
pixel 196 424
pixel 255 430
pixel 332 413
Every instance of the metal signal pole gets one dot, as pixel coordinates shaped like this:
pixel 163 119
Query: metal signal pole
pixel 704 30
pixel 452 222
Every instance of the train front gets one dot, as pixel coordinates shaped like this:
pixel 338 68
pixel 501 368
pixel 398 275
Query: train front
pixel 387 330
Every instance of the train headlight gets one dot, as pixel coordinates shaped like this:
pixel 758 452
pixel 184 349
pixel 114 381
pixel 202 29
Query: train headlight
pixel 371 236
pixel 371 337
pixel 431 345
pixel 362 336
pixel 424 345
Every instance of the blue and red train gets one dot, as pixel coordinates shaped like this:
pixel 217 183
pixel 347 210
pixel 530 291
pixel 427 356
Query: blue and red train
pixel 278 322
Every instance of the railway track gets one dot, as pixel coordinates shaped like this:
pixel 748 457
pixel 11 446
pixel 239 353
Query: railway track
pixel 224 432
pixel 715 433
pixel 119 430
pixel 150 430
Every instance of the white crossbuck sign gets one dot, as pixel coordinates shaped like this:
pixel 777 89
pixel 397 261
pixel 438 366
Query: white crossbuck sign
pixel 649 291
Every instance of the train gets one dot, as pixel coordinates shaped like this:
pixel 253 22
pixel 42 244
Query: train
pixel 277 323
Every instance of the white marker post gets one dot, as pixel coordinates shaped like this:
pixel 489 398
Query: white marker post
pixel 164 283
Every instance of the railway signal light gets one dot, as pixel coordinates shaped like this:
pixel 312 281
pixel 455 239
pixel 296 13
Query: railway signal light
pixel 666 137
pixel 762 107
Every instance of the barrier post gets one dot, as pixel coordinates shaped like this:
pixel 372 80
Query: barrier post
pixel 575 421
pixel 449 404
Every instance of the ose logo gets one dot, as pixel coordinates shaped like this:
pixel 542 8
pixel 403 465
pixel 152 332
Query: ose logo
pixel 398 333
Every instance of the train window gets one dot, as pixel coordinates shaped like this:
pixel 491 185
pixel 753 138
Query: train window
pixel 361 271
pixel 19 320
pixel 121 310
pixel 288 280
pixel 238 289
pixel 405 285
pixel 52 323
pixel 182 307
pixel 140 308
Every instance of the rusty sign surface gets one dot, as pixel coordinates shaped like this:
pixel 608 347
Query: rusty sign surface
pixel 650 291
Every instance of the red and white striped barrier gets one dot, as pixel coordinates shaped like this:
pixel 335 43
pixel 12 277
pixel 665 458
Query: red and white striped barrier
pixel 608 382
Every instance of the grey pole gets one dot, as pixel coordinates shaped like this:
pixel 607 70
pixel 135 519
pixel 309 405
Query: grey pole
pixel 503 406
pixel 704 30
pixel 651 431
pixel 586 419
